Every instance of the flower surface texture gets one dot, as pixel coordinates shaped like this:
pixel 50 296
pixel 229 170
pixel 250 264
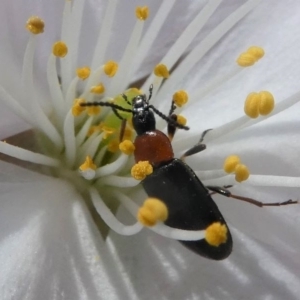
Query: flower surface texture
pixel 69 205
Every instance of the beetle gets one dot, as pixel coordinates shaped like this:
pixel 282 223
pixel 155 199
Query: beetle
pixel 189 203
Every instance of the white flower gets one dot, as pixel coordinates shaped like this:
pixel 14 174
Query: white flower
pixel 51 246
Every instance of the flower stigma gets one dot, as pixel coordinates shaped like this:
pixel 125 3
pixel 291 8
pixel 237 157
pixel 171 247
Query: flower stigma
pixel 83 143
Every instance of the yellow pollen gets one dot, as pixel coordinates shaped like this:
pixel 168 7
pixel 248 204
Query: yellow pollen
pixel 77 109
pixel 152 211
pixel 230 163
pixel 250 57
pixel 107 131
pixel 98 89
pixel 83 73
pixel 241 173
pixel 60 49
pixel 161 70
pixel 140 170
pixel 93 129
pixel 216 234
pixel 261 103
pixel 111 68
pixel 127 147
pixel 258 52
pixel 142 12
pixel 266 104
pixel 181 120
pixel 93 110
pixel 180 98
pixel 113 146
pixel 88 164
pixel 35 25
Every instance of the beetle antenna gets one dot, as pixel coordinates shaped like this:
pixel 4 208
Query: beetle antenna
pixel 150 92
pixel 167 119
pixel 108 104
pixel 126 99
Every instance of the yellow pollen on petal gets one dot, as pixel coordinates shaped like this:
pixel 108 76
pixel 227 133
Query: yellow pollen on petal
pixel 93 110
pixel 161 70
pixel 152 211
pixel 111 68
pixel 83 73
pixel 266 103
pixel 88 164
pixel 242 173
pixel 142 12
pixel 181 120
pixel 59 49
pixel 216 234
pixel 141 169
pixel 180 98
pixel 98 89
pixel 251 105
pixel 127 147
pixel 250 57
pixel 230 163
pixel 35 25
pixel 77 109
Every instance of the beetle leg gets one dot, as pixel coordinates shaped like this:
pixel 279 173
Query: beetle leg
pixel 224 192
pixel 123 124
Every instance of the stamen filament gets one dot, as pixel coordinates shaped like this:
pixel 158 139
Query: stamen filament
pixel 121 80
pixel 119 181
pixel 90 146
pixel 187 36
pixel 71 92
pixel 69 138
pixel 66 64
pixel 27 155
pixel 104 35
pixel 55 90
pixel 81 135
pixel 112 167
pixel 110 219
pixel 207 43
pixel 32 105
pixel 210 174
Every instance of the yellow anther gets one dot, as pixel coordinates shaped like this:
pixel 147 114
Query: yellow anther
pixel 111 68
pixel 60 49
pixel 93 129
pixel 241 173
pixel 35 25
pixel 230 163
pixel 107 131
pixel 250 57
pixel 142 12
pixel 161 70
pixel 251 105
pixel 113 146
pixel 152 211
pixel 246 60
pixel 216 234
pixel 93 110
pixel 83 73
pixel 258 52
pixel 140 170
pixel 127 147
pixel 181 120
pixel 77 109
pixel 259 103
pixel 97 89
pixel 266 103
pixel 88 164
pixel 180 98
